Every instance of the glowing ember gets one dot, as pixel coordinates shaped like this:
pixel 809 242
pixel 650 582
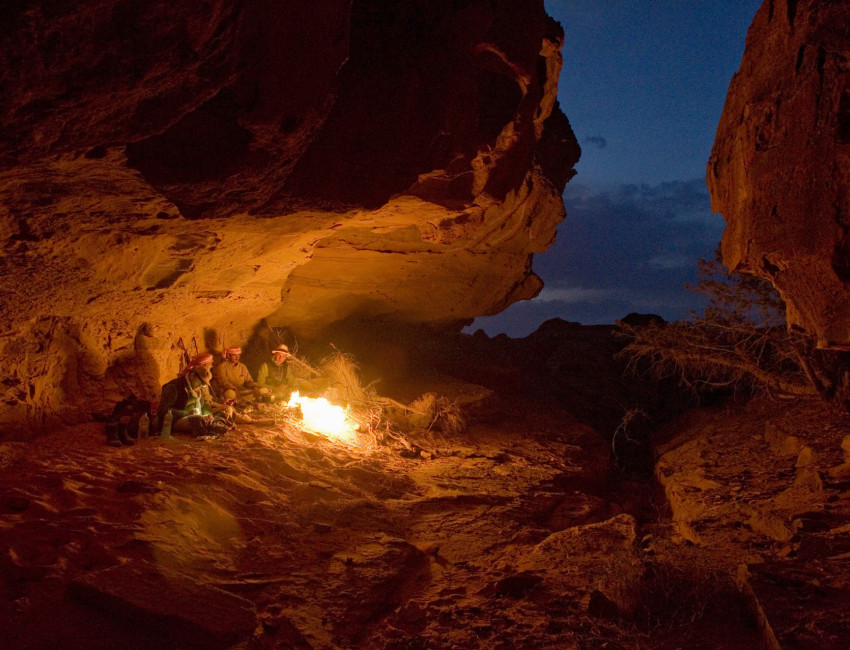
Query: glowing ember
pixel 321 416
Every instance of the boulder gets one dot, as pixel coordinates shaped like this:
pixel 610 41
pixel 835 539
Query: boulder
pixel 779 167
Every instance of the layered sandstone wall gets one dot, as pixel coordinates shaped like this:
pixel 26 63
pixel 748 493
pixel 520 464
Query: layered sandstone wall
pixel 205 168
pixel 780 168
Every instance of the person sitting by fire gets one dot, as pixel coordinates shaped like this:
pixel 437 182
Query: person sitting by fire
pixel 232 378
pixel 279 375
pixel 193 407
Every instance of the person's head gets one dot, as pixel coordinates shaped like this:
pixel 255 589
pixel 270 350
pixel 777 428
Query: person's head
pixel 200 375
pixel 203 373
pixel 232 354
pixel 204 359
pixel 280 354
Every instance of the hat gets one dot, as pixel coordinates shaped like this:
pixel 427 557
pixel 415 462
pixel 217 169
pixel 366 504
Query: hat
pixel 280 349
pixel 232 351
pixel 197 361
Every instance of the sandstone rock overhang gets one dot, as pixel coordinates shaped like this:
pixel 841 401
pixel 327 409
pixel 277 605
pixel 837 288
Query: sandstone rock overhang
pixel 780 168
pixel 172 167
pixel 303 159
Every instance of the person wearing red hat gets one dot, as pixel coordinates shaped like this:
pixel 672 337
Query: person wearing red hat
pixel 204 359
pixel 191 403
pixel 232 375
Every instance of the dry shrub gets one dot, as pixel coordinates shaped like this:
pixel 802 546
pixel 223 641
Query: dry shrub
pixel 302 370
pixel 670 596
pixel 450 418
pixel 741 340
pixel 422 411
pixel 661 596
pixel 341 373
pixel 433 412
pixel 620 576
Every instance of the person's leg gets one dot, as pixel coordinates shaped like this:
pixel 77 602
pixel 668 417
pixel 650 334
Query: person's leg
pixel 183 425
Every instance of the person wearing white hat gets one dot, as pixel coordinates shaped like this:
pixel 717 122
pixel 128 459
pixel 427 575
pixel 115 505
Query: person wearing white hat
pixel 279 376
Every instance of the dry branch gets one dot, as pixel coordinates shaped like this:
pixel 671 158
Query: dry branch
pixel 741 339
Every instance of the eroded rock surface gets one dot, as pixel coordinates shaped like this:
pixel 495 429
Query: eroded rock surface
pixel 201 166
pixel 765 487
pixel 501 537
pixel 328 546
pixel 778 171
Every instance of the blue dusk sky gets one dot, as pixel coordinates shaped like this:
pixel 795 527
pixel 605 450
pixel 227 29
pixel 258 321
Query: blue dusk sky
pixel 643 85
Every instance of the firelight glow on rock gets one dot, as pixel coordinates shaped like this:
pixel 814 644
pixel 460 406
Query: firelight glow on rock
pixel 254 162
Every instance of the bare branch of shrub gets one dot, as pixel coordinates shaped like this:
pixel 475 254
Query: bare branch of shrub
pixel 741 340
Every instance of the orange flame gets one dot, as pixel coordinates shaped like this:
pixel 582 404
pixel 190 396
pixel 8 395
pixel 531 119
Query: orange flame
pixel 320 416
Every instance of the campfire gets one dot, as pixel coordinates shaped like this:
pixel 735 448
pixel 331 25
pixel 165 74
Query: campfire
pixel 319 416
pixel 355 416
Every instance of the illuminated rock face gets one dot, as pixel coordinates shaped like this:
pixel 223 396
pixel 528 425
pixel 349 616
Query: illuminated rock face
pixel 190 169
pixel 780 169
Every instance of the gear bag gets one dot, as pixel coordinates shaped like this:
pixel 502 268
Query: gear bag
pixel 128 412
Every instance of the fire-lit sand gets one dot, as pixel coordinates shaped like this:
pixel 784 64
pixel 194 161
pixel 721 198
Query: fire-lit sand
pixel 331 544
pixel 513 534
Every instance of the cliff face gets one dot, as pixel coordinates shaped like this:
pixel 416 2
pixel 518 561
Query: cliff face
pixel 190 169
pixel 780 168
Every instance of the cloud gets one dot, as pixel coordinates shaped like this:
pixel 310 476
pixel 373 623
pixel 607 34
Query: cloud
pixel 671 200
pixel 572 295
pixel 597 141
pixel 628 249
pixel 671 261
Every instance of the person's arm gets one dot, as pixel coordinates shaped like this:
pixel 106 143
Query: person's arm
pixel 263 375
pixel 212 405
pixel 247 379
pixel 291 379
pixel 222 378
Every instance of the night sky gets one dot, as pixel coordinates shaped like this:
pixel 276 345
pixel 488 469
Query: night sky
pixel 643 85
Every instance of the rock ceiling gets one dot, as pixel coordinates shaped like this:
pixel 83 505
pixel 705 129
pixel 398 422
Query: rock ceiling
pixel 193 169
pixel 222 162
